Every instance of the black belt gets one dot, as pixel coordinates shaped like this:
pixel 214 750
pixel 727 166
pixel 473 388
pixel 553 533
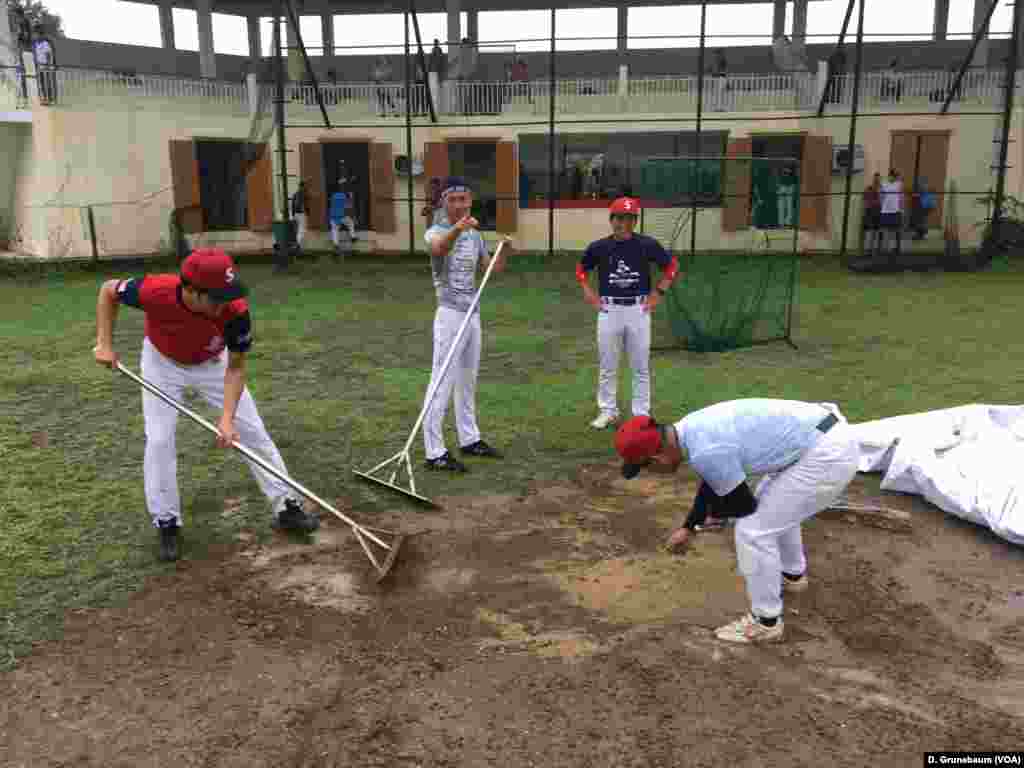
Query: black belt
pixel 827 423
pixel 623 301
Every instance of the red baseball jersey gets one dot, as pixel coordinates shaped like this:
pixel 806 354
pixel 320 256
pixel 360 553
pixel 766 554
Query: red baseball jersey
pixel 179 333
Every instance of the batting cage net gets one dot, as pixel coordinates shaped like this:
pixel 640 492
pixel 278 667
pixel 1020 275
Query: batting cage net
pixel 742 294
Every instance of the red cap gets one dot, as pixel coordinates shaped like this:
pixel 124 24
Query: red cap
pixel 636 441
pixel 213 271
pixel 629 205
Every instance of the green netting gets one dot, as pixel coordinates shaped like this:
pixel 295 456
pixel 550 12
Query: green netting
pixel 679 179
pixel 731 300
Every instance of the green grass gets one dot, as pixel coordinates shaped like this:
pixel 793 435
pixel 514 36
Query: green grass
pixel 339 370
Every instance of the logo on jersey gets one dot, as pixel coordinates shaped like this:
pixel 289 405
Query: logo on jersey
pixel 216 345
pixel 624 276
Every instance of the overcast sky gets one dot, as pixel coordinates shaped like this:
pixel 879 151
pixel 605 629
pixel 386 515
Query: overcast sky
pixel 116 21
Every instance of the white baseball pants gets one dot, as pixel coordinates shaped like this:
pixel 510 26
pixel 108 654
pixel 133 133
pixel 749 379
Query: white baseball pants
pixel 160 468
pixel 461 379
pixel 768 542
pixel 347 223
pixel 619 326
pixel 300 228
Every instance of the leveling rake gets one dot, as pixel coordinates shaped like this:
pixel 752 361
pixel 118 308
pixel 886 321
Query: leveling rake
pixel 365 536
pixel 402 459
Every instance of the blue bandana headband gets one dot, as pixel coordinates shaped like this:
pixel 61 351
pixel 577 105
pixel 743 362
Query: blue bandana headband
pixel 456 188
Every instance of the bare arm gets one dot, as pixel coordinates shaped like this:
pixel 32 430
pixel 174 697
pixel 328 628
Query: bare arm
pixel 106 313
pixel 441 245
pixel 234 386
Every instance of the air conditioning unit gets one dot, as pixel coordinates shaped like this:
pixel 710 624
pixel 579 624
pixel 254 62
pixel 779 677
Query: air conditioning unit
pixel 402 166
pixel 841 158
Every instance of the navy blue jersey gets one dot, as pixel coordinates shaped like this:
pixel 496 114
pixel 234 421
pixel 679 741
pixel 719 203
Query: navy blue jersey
pixel 624 266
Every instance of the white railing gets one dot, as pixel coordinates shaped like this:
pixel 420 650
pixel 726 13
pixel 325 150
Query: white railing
pixel 12 88
pixel 75 86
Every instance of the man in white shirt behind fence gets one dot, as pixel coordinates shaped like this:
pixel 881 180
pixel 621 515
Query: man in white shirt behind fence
pixel 892 210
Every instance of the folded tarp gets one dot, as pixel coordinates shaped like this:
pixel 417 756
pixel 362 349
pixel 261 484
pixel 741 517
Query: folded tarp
pixel 968 461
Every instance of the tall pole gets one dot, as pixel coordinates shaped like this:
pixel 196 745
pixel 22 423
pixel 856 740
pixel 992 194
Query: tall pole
pixel 408 139
pixel 282 152
pixel 1004 144
pixel 423 61
pixel 851 144
pixel 979 34
pixel 700 122
pixel 839 46
pixel 551 143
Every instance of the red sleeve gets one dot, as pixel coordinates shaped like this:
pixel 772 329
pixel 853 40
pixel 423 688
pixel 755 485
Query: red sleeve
pixel 581 274
pixel 672 269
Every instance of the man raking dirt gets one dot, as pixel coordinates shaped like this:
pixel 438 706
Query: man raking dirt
pixel 808 456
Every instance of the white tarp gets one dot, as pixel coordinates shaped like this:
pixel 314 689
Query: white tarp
pixel 968 461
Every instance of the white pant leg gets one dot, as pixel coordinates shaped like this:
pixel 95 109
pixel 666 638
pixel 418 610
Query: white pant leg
pixel 251 431
pixel 349 224
pixel 300 228
pixel 637 335
pixel 446 326
pixel 797 493
pixel 334 232
pixel 467 371
pixel 609 347
pixel 160 465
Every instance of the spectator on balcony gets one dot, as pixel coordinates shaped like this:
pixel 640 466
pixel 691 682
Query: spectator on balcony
pixel 719 81
pixel 520 79
pixel 439 66
pixel 836 74
pixel 46 66
pixel 382 76
pixel 892 82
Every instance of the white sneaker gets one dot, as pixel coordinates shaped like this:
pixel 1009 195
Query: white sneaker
pixel 603 421
pixel 750 630
pixel 795 585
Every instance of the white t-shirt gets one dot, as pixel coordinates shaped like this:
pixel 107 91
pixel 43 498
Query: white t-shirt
pixel 455 274
pixel 892 196
pixel 729 441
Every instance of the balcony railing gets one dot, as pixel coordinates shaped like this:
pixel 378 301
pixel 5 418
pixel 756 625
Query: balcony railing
pixel 753 93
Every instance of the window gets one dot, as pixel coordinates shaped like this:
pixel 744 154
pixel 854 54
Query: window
pixel 476 161
pixel 186 29
pixel 230 34
pixel 223 193
pixel 601 166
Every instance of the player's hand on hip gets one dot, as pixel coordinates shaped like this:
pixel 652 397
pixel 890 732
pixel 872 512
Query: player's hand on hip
pixel 105 356
pixel 651 301
pixel 679 541
pixel 228 433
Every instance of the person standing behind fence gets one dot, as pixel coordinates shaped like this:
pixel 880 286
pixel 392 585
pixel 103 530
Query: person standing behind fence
pixel 921 204
pixel 299 213
pixel 338 217
pixel 382 74
pixel 892 209
pixel 873 214
pixel 46 66
pixel 720 82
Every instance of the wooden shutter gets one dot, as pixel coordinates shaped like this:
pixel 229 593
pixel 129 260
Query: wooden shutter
pixel 382 189
pixel 736 203
pixel 903 157
pixel 506 186
pixel 311 171
pixel 816 184
pixel 435 161
pixel 185 185
pixel 933 166
pixel 260 188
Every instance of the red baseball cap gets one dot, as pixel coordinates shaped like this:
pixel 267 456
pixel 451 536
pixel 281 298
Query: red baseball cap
pixel 627 205
pixel 636 441
pixel 213 271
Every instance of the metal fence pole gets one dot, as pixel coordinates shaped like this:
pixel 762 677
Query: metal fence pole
pixel 1010 85
pixel 700 118
pixel 551 144
pixel 855 98
pixel 408 139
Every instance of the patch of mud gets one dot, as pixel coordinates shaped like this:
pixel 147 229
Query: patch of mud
pixel 323 587
pixel 514 635
pixel 638 590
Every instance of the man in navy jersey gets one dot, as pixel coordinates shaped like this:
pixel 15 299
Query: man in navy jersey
pixel 197 334
pixel 624 302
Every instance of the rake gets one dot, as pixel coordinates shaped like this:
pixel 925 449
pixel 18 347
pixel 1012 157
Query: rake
pixel 402 460
pixel 365 536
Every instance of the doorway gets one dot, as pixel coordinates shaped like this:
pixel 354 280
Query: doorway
pixel 346 167
pixel 921 158
pixel 477 162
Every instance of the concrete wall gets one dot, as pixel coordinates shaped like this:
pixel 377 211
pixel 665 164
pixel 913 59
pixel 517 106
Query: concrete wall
pixel 13 141
pixel 912 55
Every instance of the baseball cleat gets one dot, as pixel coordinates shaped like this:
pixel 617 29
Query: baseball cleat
pixel 480 448
pixel 750 630
pixel 795 584
pixel 292 517
pixel 445 463
pixel 169 540
pixel 603 421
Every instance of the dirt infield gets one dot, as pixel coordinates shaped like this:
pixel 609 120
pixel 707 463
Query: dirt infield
pixel 539 630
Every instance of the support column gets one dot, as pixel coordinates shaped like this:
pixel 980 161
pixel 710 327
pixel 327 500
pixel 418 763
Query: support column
pixel 207 58
pixel 623 29
pixel 166 25
pixel 472 26
pixel 800 22
pixel 327 32
pixel 453 7
pixel 981 54
pixel 255 43
pixel 779 20
pixel 941 27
